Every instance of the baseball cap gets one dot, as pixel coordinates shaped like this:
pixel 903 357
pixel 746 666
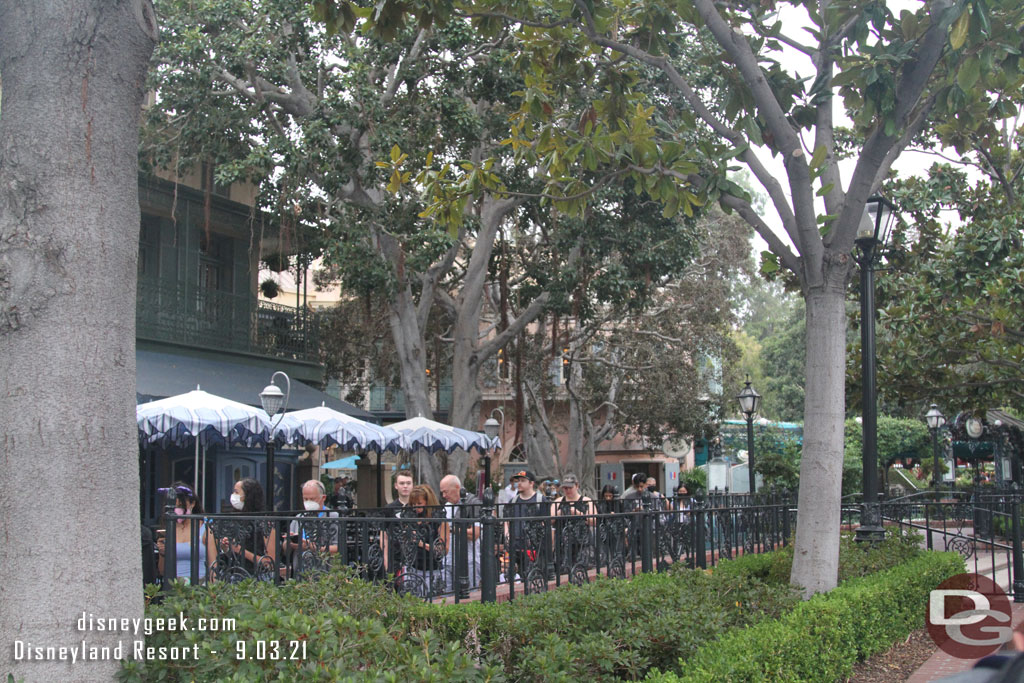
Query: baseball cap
pixel 525 474
pixel 570 480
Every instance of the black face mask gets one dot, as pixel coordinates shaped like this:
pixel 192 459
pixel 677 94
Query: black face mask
pixel 652 488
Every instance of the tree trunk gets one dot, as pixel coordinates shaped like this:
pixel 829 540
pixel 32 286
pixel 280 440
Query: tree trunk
pixel 816 550
pixel 539 440
pixel 411 351
pixel 73 74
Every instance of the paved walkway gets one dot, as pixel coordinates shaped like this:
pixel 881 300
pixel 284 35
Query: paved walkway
pixel 941 664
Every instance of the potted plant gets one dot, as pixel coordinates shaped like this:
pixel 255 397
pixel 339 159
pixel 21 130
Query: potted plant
pixel 269 288
pixel 276 262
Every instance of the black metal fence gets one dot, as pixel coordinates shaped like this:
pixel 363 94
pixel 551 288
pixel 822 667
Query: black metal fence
pixel 984 526
pixel 479 552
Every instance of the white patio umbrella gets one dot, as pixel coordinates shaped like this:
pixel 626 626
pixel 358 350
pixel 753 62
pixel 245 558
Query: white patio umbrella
pixel 205 419
pixel 419 432
pixel 328 427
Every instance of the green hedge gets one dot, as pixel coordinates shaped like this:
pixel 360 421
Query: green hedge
pixel 606 630
pixel 823 637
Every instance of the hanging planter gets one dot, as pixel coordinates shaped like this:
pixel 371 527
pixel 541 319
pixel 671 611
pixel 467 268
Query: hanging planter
pixel 269 288
pixel 276 262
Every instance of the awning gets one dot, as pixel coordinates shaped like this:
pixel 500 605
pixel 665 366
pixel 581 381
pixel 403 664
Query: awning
pixel 159 375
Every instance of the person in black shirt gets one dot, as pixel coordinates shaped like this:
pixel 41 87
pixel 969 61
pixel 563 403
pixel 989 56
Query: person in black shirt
pixel 529 541
pixel 340 498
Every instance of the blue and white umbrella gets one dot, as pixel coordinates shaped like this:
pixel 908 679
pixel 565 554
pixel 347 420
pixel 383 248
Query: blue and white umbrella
pixel 205 419
pixel 419 432
pixel 327 427
pixel 210 419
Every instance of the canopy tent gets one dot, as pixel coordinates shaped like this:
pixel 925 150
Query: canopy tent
pixel 327 427
pixel 420 433
pixel 206 419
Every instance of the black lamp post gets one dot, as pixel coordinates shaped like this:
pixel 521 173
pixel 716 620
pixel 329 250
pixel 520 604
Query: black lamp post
pixel 875 227
pixel 750 401
pixel 491 428
pixel 935 420
pixel 274 401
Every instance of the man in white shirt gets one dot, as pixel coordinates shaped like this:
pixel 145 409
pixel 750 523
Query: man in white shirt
pixel 462 507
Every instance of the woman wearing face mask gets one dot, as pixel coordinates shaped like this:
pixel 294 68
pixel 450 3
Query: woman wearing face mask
pixel 247 545
pixel 186 504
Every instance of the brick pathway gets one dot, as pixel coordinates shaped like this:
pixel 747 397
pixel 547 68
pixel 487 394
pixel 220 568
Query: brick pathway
pixel 941 664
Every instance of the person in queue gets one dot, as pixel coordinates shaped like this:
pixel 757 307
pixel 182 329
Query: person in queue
pixel 396 508
pixel 526 547
pixel 428 540
pixel 464 506
pixel 607 501
pixel 632 498
pixel 308 544
pixel 186 503
pixel 251 547
pixel 572 510
pixel 341 499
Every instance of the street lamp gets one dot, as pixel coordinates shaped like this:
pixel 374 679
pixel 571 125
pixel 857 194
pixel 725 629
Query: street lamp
pixel 935 420
pixel 875 227
pixel 492 428
pixel 750 401
pixel 274 401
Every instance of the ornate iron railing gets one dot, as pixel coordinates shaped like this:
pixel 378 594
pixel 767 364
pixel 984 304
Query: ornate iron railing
pixel 484 550
pixel 183 312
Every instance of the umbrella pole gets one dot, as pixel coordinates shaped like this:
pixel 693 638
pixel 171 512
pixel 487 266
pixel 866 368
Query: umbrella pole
pixel 195 469
pixel 202 480
pixel 380 480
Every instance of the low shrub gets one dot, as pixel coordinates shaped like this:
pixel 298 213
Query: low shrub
pixel 606 630
pixel 822 638
pixel 855 559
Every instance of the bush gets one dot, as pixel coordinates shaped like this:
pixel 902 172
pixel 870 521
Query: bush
pixel 606 630
pixel 822 638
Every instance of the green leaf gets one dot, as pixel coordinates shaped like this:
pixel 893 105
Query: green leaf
pixel 969 73
pixel 958 34
pixel 825 190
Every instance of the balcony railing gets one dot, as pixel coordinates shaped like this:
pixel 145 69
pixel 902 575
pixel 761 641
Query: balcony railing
pixel 185 313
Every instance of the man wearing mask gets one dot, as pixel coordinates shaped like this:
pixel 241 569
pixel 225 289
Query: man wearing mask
pixel 463 556
pixel 312 536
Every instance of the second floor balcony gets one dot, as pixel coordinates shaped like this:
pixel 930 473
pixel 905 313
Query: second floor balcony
pixel 186 313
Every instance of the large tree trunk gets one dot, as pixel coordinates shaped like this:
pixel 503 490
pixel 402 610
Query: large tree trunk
pixel 73 74
pixel 816 550
pixel 411 351
pixel 540 442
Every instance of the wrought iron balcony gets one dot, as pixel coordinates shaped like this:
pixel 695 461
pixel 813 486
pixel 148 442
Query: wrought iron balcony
pixel 184 313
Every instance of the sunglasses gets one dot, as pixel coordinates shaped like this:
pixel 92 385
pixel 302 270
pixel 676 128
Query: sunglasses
pixel 180 490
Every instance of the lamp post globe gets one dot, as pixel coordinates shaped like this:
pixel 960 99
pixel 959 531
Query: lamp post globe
pixel 274 402
pixel 876 225
pixel 491 428
pixel 750 401
pixel 935 420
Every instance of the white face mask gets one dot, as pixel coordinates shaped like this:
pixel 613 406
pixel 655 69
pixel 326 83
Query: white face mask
pixel 311 505
pixel 236 501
